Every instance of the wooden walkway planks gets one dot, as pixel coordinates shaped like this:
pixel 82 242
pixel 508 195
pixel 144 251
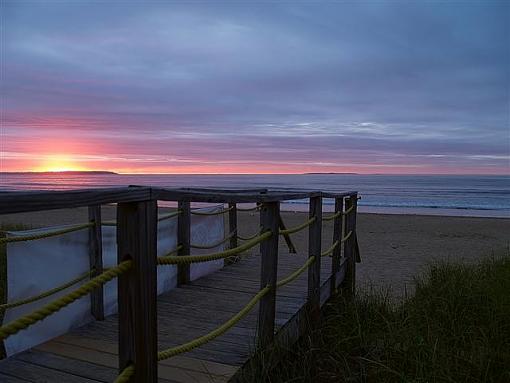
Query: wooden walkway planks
pixel 90 353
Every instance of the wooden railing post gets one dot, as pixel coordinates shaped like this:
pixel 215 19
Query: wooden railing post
pixel 314 250
pixel 96 260
pixel 232 224
pixel 337 236
pixel 349 283
pixel 183 239
pixel 136 241
pixel 269 213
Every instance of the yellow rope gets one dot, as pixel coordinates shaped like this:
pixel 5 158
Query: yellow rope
pixel 296 273
pixel 168 353
pixel 249 209
pixel 349 210
pixel 45 294
pixel 61 302
pixel 33 237
pixel 330 250
pixel 196 212
pixel 248 238
pixel 174 251
pixel 332 216
pixel 295 229
pixel 346 237
pixel 337 214
pixel 215 244
pixel 186 259
pixel 125 375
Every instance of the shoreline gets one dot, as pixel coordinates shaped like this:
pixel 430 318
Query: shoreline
pixel 395 248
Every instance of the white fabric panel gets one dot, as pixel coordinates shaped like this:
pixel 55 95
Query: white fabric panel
pixel 40 265
pixel 34 267
pixel 207 229
pixel 167 275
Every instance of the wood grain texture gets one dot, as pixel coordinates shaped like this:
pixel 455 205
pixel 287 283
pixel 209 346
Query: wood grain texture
pixel 337 236
pixel 269 215
pixel 136 240
pixel 314 250
pixel 232 224
pixel 183 239
pixel 96 260
pixel 24 201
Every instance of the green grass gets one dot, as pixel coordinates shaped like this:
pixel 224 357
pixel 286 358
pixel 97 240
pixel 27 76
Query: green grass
pixel 455 328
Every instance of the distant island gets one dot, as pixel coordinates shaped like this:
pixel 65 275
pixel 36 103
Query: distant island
pixel 329 173
pixel 70 172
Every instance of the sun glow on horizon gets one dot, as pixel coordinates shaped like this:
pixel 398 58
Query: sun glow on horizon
pixel 58 163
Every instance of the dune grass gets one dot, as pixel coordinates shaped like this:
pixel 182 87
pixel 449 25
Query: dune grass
pixel 455 328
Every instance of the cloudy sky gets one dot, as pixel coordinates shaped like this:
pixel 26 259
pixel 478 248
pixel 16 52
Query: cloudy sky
pixel 262 87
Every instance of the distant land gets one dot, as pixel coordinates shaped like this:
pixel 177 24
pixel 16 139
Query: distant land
pixel 70 172
pixel 330 173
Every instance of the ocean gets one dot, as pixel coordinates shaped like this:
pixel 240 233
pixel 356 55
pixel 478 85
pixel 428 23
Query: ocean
pixel 478 196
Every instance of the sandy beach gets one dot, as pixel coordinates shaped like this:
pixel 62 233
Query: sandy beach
pixel 394 248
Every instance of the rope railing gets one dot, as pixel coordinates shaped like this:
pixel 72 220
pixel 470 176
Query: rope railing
pixel 249 237
pixel 296 273
pixel 330 250
pixel 297 228
pixel 38 315
pixel 215 244
pixel 186 347
pixel 255 208
pixel 10 305
pixel 349 210
pixel 337 214
pixel 332 216
pixel 346 237
pixel 174 251
pixel 32 237
pixel 125 375
pixel 187 259
pixel 223 211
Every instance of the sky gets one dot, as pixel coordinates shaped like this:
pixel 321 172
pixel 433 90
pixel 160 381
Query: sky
pixel 255 87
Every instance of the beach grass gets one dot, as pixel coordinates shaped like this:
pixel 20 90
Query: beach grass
pixel 455 328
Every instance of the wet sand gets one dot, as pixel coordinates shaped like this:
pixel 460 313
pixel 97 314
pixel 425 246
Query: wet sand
pixel 394 248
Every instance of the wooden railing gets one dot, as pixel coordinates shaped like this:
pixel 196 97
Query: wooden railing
pixel 137 238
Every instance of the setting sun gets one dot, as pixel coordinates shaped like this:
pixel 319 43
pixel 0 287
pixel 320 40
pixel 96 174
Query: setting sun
pixel 58 163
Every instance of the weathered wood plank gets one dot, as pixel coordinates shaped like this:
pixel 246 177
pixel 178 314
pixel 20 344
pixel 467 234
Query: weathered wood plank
pixel 65 363
pixel 348 285
pixel 337 236
pixel 136 240
pixel 269 213
pixel 314 250
pixel 228 197
pixel 34 373
pixel 183 239
pixel 96 260
pixel 232 224
pixel 19 202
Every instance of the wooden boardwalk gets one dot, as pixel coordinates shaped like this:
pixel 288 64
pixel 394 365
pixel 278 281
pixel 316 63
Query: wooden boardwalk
pixel 90 353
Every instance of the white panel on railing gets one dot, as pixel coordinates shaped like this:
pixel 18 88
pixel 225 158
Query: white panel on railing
pixel 34 267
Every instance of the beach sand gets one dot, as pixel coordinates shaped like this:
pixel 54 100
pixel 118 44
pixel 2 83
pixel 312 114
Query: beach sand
pixel 394 248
